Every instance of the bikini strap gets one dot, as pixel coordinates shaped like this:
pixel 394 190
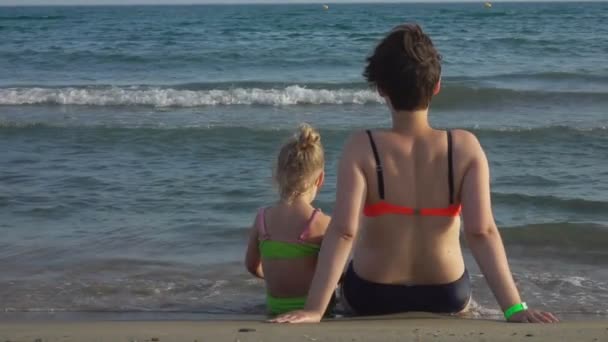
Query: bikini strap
pixel 306 230
pixel 450 167
pixel 378 165
pixel 262 224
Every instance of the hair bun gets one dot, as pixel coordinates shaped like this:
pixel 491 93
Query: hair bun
pixel 308 137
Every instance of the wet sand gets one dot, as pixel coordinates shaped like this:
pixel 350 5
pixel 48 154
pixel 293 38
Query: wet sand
pixel 402 328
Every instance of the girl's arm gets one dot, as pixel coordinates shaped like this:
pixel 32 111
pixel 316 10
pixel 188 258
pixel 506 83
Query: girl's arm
pixel 483 237
pixel 338 242
pixel 253 261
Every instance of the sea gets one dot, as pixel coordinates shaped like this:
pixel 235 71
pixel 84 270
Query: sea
pixel 138 143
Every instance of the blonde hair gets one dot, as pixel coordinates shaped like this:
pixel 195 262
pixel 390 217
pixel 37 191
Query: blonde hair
pixel 300 161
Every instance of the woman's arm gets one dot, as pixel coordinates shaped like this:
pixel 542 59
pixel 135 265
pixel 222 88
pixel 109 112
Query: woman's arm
pixel 338 242
pixel 253 262
pixel 483 237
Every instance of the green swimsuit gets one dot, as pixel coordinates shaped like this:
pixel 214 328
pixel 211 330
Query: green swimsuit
pixel 273 249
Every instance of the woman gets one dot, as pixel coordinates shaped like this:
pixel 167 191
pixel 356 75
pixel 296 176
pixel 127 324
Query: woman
pixel 412 183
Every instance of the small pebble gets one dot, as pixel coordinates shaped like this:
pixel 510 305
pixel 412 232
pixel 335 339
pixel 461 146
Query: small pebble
pixel 246 330
pixel 513 334
pixel 529 335
pixel 154 339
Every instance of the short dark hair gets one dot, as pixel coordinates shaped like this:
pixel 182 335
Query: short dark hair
pixel 405 67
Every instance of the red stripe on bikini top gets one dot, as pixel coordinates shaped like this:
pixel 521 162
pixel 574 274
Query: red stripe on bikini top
pixel 384 208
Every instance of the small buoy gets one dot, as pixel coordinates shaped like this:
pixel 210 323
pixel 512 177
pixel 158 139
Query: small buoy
pixel 488 4
pixel 325 7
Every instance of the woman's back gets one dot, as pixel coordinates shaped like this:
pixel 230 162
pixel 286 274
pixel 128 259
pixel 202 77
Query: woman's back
pixel 414 246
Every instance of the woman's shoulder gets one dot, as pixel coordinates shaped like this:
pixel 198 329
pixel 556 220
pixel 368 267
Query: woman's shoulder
pixel 358 137
pixel 467 151
pixel 353 147
pixel 464 135
pixel 465 142
pixel 359 140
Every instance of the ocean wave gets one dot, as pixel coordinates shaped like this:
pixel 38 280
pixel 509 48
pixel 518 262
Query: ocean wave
pixel 587 238
pixel 168 97
pixel 475 96
pixel 488 14
pixel 272 94
pixel 515 132
pixel 33 17
pixel 525 180
pixel 582 76
pixel 591 136
pixel 578 205
pixel 451 83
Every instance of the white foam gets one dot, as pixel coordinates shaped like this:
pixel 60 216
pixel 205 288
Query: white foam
pixel 576 281
pixel 167 97
pixel 476 310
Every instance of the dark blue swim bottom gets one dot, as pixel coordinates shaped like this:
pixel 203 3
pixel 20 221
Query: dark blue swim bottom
pixel 369 298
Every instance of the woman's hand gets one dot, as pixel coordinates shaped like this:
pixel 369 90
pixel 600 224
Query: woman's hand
pixel 533 316
pixel 299 316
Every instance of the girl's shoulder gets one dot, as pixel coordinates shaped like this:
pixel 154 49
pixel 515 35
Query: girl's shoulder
pixel 266 210
pixel 323 219
pixel 318 226
pixel 262 215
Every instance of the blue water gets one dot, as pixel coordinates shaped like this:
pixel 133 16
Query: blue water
pixel 139 141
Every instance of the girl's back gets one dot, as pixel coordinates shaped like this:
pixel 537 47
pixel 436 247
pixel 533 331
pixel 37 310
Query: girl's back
pixel 290 237
pixel 285 238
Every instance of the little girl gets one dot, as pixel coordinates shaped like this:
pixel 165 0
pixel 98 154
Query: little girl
pixel 285 237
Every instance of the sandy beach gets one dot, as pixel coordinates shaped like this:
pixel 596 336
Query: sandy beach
pixel 408 328
pixel 140 142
